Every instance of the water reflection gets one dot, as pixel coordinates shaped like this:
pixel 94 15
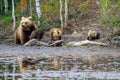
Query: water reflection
pixel 57 68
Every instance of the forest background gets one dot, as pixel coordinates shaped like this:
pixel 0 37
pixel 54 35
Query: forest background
pixel 73 13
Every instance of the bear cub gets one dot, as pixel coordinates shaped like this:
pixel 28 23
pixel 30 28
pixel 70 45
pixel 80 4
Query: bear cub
pixel 55 34
pixel 93 35
pixel 37 34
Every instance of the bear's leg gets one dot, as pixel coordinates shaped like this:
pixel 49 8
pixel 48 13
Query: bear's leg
pixel 16 40
pixel 40 35
pixel 22 40
pixel 98 36
pixel 88 38
pixel 59 38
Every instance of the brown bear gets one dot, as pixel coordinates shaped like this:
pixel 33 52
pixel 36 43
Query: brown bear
pixel 23 32
pixel 55 34
pixel 37 34
pixel 93 35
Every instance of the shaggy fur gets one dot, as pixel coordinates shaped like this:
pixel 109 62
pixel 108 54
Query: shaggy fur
pixel 55 34
pixel 93 35
pixel 23 32
pixel 37 34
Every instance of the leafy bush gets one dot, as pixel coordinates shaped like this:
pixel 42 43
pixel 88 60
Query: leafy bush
pixel 5 19
pixel 109 11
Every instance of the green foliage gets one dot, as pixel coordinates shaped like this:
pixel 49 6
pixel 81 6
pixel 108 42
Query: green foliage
pixel 84 6
pixel 111 21
pixel 109 11
pixel 5 19
pixel 105 7
pixel 78 9
pixel 49 10
pixel 115 21
pixel 46 23
pixel 1 7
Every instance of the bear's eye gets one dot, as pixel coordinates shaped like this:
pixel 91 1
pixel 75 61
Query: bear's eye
pixel 58 32
pixel 21 22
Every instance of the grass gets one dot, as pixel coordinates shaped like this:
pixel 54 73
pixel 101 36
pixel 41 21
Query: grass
pixel 112 21
pixel 5 19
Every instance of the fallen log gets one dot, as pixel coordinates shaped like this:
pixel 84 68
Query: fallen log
pixel 35 42
pixel 57 43
pixel 85 42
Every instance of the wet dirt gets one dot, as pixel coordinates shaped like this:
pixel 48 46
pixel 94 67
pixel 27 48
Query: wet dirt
pixel 10 49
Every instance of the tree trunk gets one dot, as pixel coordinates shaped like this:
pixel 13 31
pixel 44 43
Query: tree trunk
pixel 13 15
pixel 1 7
pixel 61 16
pixel 30 8
pixel 6 6
pixel 66 12
pixel 38 9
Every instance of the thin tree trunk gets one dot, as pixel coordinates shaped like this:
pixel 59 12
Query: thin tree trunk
pixel 6 6
pixel 66 12
pixel 30 8
pixel 13 15
pixel 1 6
pixel 38 9
pixel 61 16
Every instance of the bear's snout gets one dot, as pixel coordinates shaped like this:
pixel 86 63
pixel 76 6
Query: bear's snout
pixel 23 26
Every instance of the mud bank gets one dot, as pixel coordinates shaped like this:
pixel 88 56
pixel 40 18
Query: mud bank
pixel 18 50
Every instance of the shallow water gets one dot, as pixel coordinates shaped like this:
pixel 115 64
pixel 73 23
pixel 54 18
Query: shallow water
pixel 73 63
pixel 70 69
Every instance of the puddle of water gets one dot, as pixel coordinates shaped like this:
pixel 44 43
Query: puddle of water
pixel 65 69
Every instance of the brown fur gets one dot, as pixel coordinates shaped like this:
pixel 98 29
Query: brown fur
pixel 23 32
pixel 37 34
pixel 55 34
pixel 93 35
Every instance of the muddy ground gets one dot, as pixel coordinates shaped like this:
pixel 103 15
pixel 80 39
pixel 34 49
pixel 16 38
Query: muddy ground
pixel 10 49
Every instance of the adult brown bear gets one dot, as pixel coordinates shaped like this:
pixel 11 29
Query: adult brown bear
pixel 23 32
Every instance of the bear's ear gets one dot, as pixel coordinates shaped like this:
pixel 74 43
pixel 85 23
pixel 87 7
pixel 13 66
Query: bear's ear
pixel 22 18
pixel 30 18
